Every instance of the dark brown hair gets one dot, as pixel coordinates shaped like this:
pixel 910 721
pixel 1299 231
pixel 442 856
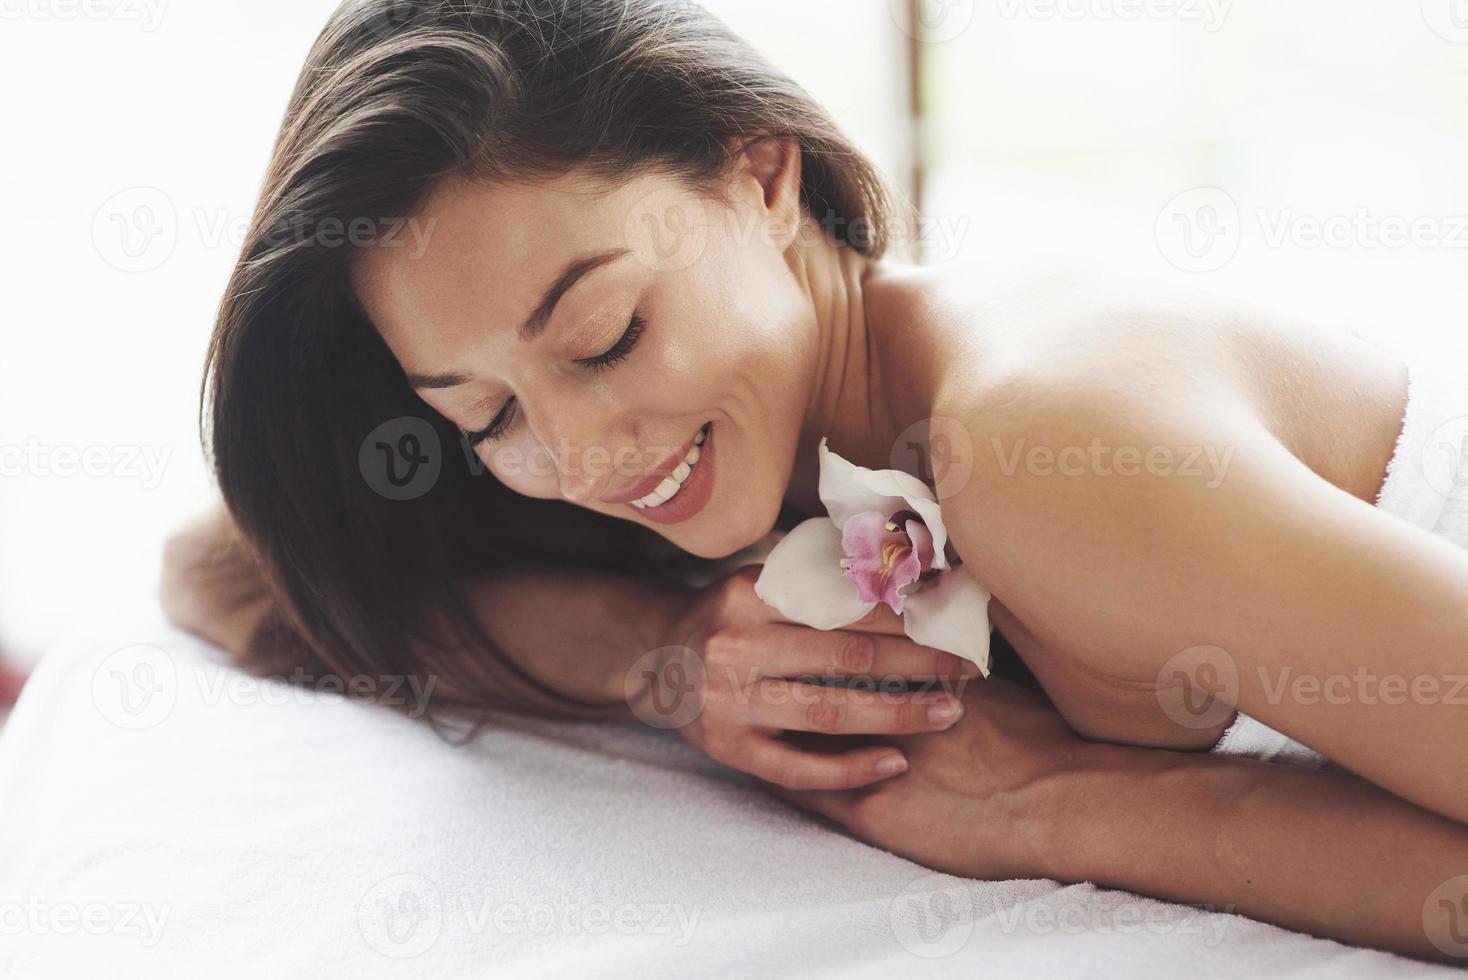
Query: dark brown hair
pixel 395 96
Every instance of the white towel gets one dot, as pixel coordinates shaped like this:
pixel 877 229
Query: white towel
pixel 217 826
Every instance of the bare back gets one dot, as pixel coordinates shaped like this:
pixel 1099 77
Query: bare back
pixel 1334 400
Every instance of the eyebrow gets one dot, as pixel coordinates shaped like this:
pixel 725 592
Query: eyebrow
pixel 535 325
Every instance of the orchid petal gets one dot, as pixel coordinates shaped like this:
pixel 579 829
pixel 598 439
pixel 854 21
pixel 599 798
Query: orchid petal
pixel 864 535
pixel 951 613
pixel 922 543
pixel 844 494
pixel 847 490
pixel 883 558
pixel 802 579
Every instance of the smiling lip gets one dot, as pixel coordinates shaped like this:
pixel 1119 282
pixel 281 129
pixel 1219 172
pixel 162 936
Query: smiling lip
pixel 657 475
pixel 691 497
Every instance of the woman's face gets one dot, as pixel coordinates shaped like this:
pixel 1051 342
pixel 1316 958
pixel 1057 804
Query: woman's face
pixel 640 351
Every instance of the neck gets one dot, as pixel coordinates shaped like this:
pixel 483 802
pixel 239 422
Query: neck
pixel 864 390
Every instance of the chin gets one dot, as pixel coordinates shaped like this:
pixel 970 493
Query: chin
pixel 730 533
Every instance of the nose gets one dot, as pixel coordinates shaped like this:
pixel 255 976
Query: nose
pixel 579 434
pixel 579 483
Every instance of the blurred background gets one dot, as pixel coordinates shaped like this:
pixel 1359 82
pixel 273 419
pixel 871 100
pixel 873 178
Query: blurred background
pixel 1310 153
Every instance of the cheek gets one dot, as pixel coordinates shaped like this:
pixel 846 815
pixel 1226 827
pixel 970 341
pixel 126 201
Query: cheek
pixel 761 356
pixel 736 319
pixel 521 463
pixel 763 305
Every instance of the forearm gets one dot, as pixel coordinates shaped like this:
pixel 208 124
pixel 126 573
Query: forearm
pixel 211 586
pixel 1324 853
pixel 577 632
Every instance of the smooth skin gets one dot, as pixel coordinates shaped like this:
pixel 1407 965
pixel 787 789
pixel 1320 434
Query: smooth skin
pixel 588 635
pixel 1012 792
pixel 1276 557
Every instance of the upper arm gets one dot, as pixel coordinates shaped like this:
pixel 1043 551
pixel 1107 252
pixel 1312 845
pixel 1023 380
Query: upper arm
pixel 1225 540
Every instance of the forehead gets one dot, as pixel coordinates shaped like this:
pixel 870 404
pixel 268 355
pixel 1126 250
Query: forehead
pixel 479 255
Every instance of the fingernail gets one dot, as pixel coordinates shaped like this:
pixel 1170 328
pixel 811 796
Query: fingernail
pixel 945 713
pixel 891 765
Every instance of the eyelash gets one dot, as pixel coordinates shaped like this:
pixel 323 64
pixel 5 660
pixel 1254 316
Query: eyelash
pixel 618 353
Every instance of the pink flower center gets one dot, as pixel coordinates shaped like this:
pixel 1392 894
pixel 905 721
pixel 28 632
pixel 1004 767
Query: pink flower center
pixel 886 555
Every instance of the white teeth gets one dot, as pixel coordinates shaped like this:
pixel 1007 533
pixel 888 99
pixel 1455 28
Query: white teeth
pixel 675 480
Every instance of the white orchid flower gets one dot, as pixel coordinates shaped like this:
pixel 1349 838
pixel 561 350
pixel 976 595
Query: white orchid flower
pixel 883 541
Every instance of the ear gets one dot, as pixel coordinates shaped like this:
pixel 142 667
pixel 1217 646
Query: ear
pixel 769 167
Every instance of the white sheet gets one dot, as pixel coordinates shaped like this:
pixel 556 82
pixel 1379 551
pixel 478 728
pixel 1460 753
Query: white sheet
pixel 228 828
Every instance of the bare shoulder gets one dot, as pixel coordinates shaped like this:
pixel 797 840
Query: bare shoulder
pixel 1132 450
pixel 1071 351
pixel 1147 472
pixel 1074 326
pixel 1060 353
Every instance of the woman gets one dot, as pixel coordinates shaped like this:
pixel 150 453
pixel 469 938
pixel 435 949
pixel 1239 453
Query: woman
pixel 639 276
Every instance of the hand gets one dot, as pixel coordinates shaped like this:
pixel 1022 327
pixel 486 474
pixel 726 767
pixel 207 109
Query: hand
pixel 759 679
pixel 977 798
pixel 211 586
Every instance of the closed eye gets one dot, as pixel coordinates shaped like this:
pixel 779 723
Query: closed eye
pixel 496 428
pixel 620 349
pixel 617 353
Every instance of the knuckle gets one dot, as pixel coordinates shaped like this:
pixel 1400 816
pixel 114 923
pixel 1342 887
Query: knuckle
pixel 721 749
pixel 823 716
pixel 742 603
pixel 745 577
pixel 855 774
pixel 723 647
pixel 913 716
pixel 737 591
pixel 719 713
pixel 856 653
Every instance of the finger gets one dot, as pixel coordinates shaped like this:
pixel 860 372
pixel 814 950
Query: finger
pixel 784 765
pixel 793 706
pixel 849 653
pixel 881 619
